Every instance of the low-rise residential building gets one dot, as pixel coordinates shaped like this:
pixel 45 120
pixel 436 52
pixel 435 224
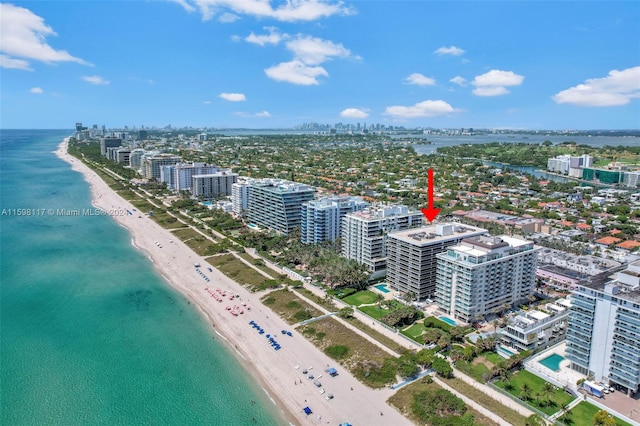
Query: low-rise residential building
pixel 536 329
pixel 565 270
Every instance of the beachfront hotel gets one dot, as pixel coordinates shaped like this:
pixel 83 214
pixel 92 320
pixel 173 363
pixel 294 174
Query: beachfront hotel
pixel 275 203
pixel 603 337
pixel 411 255
pixel 364 233
pixel 321 219
pixel 484 275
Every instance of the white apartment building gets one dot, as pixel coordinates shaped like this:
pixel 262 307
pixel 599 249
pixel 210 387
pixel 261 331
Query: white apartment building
pixel 603 337
pixel 240 195
pixel 536 329
pixel 569 165
pixel 485 274
pixel 152 164
pixel 275 203
pixel 364 233
pixel 411 255
pixel 184 173
pixel 213 185
pixel 321 219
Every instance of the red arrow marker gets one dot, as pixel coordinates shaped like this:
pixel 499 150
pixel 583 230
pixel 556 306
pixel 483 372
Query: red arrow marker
pixel 430 213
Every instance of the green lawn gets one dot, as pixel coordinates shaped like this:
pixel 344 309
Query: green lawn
pixel 374 311
pixel 557 399
pixel 492 357
pixel 582 414
pixel 414 332
pixel 477 370
pixel 361 298
pixel 435 322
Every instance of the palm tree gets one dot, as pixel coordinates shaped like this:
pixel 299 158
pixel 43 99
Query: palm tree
pixel 547 390
pixel 526 391
pixel 379 299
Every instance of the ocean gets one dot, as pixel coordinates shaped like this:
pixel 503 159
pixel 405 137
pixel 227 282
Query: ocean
pixel 90 333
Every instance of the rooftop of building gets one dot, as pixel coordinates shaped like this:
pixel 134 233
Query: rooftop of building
pixel 608 280
pixel 628 245
pixel 608 240
pixel 281 185
pixel 549 255
pixel 381 211
pixel 427 235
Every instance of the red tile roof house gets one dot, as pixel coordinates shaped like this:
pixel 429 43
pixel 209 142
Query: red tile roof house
pixel 583 227
pixel 628 245
pixel 607 241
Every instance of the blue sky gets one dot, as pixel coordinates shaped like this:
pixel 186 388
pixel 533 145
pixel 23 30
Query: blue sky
pixel 274 64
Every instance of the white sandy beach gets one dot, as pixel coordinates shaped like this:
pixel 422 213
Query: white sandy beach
pixel 275 370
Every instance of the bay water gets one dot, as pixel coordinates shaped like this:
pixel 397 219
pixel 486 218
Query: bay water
pixel 90 334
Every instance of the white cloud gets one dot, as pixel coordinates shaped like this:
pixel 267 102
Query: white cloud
pixel 314 51
pixel 227 18
pixel 617 88
pixel 451 50
pixel 24 36
pixel 427 108
pixel 261 114
pixel 459 81
pixel 274 37
pixel 185 5
pixel 18 64
pixel 495 82
pixel 490 91
pixel 233 97
pixel 296 72
pixel 206 102
pixel 36 90
pixel 289 11
pixel 95 79
pixel 354 113
pixel 420 80
pixel 309 53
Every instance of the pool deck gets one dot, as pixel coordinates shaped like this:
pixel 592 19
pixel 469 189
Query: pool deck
pixel 565 376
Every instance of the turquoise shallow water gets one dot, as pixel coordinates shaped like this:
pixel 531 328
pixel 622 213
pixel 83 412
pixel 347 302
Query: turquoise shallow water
pixel 90 334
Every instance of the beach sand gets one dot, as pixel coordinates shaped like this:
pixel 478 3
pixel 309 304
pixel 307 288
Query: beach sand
pixel 289 389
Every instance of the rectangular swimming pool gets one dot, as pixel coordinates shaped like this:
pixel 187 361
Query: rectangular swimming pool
pixel 552 362
pixel 448 320
pixel 382 288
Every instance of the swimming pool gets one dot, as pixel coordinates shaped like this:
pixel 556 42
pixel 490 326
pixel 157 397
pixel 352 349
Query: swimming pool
pixel 552 362
pixel 207 203
pixel 382 288
pixel 448 320
pixel 505 351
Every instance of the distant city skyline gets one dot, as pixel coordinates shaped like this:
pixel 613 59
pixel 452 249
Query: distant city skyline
pixel 265 64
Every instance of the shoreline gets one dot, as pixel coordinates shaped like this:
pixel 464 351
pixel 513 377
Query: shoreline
pixel 274 371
